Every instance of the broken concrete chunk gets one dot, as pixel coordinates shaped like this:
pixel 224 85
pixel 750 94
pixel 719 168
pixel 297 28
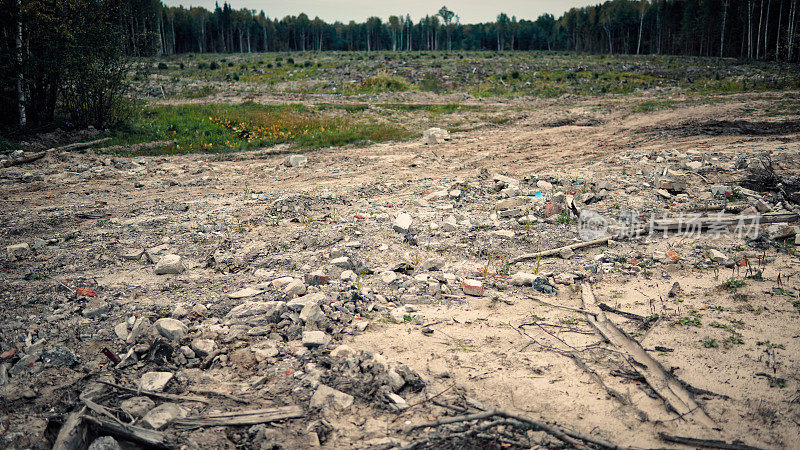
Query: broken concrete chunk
pixel 402 224
pixel 18 250
pixel 155 381
pixel 315 338
pixel 295 161
pixel 137 406
pixel 326 395
pixel 245 293
pixel 160 416
pixel 434 135
pixel 472 287
pixel 170 265
pixel 172 329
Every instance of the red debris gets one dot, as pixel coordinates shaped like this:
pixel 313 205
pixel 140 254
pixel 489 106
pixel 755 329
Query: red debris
pixel 86 292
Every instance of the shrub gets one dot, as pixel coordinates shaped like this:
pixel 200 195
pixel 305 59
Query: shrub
pixel 383 82
pixel 230 64
pixel 431 83
pixel 162 66
pixel 289 60
pixel 201 65
pixel 182 66
pixel 308 64
pixel 515 74
pixel 269 65
pixel 213 65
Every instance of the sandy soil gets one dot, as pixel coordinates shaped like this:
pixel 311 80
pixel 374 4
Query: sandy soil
pixel 505 349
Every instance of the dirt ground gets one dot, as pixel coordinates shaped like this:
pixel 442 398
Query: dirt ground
pixel 245 220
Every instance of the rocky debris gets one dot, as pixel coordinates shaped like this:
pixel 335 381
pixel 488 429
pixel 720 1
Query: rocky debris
pixel 155 381
pixel 433 136
pixel 203 347
pixel 472 287
pixel 104 443
pixel 158 417
pixel 137 406
pixel 402 224
pixel 315 338
pixel 18 250
pixel 245 293
pixel 172 329
pixel 327 396
pixel 170 265
pixel 295 161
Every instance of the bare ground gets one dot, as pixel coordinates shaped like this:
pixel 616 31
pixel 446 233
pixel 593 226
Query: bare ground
pixel 230 215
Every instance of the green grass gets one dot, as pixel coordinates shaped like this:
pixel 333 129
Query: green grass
pixel 225 128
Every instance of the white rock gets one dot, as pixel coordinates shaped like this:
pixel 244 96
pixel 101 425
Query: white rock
pixel 311 313
pixel 342 351
pixel 155 381
pixel 172 329
pixel 245 293
pixel 325 395
pixel 435 136
pixel 295 288
pixel 544 185
pixel 694 165
pixel 137 406
pixel 18 250
pixel 203 347
pixel 295 161
pixel 315 338
pixel 158 417
pixel 170 265
pixel 402 224
pixel 279 283
pixel 342 262
pixel 388 276
pixel 523 279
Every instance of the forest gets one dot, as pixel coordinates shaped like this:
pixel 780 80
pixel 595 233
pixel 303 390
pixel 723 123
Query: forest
pixel 69 57
pixel 756 29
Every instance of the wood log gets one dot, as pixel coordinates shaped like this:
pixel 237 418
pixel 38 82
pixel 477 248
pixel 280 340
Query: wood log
pixel 251 417
pixel 40 155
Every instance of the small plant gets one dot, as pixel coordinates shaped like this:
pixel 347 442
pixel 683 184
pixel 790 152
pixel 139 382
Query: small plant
pixel 564 218
pixel 710 343
pixel 162 66
pixel 732 284
pixel 213 65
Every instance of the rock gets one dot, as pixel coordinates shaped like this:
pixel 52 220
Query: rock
pixel 523 279
pixel 158 417
pixel 311 314
pixel 203 347
pixel 552 209
pixel 315 338
pixel 245 293
pixel 566 253
pixel 398 315
pixel 761 206
pixel 402 224
pixel 299 303
pixel 719 257
pixel 325 395
pixel 510 203
pixel 18 250
pixel 104 443
pixel 433 264
pixel 295 161
pixel 673 255
pixel 121 330
pixel 295 288
pixel 388 276
pixel 566 279
pixel 542 285
pixel 317 278
pixel 397 400
pixel 780 232
pixel 170 265
pixel 672 184
pixel 433 136
pixel 172 329
pixel 544 185
pixel 139 329
pixel 132 254
pixel 59 357
pixel 675 290
pixel 155 381
pixel 348 275
pixel 342 262
pixel 663 193
pixel 279 283
pixel 455 193
pixel 96 308
pixel 472 287
pixel 694 165
pixel 137 406
pixel 342 351
pixel 24 364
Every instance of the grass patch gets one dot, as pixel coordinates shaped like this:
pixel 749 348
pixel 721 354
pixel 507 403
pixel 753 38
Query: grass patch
pixel 225 128
pixel 195 92
pixel 383 82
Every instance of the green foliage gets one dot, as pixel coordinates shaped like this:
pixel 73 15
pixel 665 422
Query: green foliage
pixel 383 82
pixel 162 66
pixel 223 128
pixel 213 65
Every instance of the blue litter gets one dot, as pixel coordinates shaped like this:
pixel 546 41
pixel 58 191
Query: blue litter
pixel 538 194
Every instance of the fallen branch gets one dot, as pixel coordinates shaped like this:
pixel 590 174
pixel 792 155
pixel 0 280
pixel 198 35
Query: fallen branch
pixel 40 155
pixel 252 417
pixel 138 435
pixel 556 251
pixel 708 443
pixel 158 395
pixel 568 437
pixel 138 147
pixel 672 392
pixel 71 435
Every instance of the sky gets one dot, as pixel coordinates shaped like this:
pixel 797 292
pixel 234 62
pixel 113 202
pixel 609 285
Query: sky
pixel 469 11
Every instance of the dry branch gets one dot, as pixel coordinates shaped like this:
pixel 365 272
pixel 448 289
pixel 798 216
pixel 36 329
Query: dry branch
pixel 252 417
pixel 556 251
pixel 158 395
pixel 708 443
pixel 142 436
pixel 40 155
pixel 665 385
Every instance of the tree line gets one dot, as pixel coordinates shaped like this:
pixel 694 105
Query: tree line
pixel 67 58
pixel 756 29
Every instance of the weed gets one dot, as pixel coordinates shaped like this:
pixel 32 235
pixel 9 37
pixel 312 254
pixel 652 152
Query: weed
pixel 732 284
pixel 710 343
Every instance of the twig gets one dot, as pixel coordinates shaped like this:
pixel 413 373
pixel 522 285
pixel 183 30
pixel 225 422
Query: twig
pixel 423 401
pixel 141 436
pixel 709 443
pixel 40 155
pixel 555 251
pixel 252 417
pixel 159 395
pixel 220 394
